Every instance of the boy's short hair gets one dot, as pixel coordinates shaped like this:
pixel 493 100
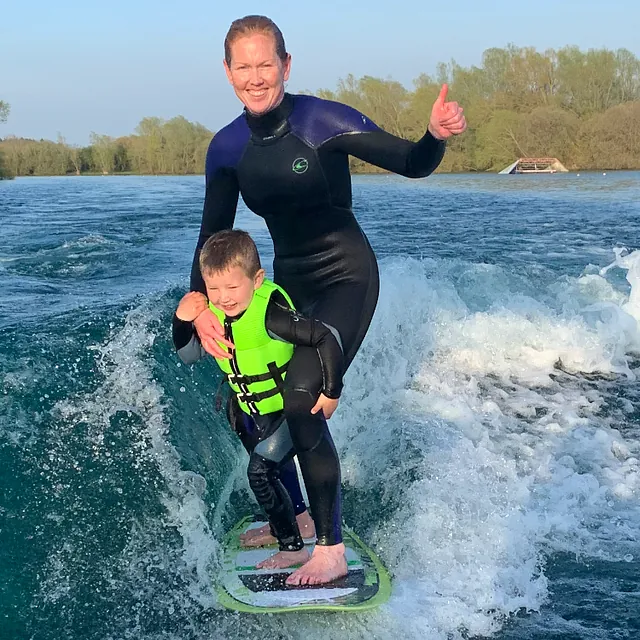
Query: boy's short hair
pixel 227 249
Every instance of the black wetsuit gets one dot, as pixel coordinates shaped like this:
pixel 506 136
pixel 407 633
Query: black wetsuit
pixel 291 166
pixel 271 471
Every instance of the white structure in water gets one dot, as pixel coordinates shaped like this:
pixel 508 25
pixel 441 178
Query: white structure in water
pixel 535 165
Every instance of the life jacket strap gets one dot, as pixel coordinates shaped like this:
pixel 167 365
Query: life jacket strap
pixel 274 373
pixel 252 398
pixel 257 397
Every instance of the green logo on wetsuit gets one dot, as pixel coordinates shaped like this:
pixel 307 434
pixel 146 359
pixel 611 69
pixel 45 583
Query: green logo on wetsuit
pixel 300 165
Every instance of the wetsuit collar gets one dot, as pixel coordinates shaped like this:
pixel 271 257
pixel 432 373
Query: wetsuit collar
pixel 273 124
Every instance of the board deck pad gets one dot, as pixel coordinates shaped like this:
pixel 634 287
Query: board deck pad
pixel 243 587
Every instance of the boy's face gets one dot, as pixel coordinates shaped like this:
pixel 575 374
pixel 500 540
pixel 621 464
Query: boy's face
pixel 231 290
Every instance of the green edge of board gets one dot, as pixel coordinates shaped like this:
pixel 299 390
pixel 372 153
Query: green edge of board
pixel 381 596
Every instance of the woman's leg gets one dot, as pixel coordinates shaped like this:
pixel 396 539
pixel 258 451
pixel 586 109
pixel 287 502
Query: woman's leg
pixel 349 310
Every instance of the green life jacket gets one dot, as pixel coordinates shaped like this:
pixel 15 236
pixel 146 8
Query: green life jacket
pixel 259 363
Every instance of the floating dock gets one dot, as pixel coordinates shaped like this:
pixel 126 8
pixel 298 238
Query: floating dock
pixel 535 165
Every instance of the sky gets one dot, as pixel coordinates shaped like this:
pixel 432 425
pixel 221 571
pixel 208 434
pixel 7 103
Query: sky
pixel 74 67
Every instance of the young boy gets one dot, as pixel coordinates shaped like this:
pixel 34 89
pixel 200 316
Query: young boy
pixel 259 319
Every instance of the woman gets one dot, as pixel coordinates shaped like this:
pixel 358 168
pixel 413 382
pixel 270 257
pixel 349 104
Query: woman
pixel 289 157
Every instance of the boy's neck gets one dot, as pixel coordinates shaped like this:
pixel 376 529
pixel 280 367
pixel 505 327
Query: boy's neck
pixel 234 318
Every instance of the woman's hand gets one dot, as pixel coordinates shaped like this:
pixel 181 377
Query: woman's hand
pixel 446 117
pixel 327 405
pixel 211 333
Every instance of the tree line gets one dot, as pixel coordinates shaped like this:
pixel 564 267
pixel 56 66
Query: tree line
pixel 158 146
pixel 4 114
pixel 582 107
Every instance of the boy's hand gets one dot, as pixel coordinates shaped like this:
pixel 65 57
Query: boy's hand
pixel 328 405
pixel 191 306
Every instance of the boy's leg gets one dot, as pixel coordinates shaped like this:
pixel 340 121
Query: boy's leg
pixel 263 536
pixel 273 451
pixel 249 435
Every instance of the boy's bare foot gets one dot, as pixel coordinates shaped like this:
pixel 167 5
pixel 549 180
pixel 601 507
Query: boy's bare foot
pixel 257 537
pixel 284 559
pixel 327 563
pixel 261 536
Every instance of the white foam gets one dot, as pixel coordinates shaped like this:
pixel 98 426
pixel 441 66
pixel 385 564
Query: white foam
pixel 489 445
pixel 475 425
pixel 630 262
pixel 128 385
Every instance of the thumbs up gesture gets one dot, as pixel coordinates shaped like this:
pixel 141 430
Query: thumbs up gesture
pixel 446 117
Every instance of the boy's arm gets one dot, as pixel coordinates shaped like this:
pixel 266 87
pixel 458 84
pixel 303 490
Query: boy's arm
pixel 286 324
pixel 186 341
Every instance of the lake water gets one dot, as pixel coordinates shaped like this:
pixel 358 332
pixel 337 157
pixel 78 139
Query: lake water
pixel 489 430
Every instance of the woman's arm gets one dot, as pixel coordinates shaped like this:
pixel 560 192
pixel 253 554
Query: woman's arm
pixel 358 136
pixel 186 341
pixel 220 203
pixel 406 158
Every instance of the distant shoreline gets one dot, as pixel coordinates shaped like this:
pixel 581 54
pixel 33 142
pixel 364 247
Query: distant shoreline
pixel 359 173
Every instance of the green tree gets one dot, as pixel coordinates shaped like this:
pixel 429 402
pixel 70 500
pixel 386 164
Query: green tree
pixel 611 140
pixel 150 156
pixel 550 131
pixel 183 142
pixel 627 76
pixel 500 140
pixel 5 172
pixel 103 152
pixel 587 80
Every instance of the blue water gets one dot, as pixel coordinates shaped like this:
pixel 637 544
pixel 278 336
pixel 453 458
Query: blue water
pixel 489 431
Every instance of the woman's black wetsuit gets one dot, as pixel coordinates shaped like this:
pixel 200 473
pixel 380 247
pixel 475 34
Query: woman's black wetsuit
pixel 291 166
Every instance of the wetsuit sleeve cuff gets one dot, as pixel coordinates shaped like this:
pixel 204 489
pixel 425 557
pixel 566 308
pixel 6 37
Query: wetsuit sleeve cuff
pixel 182 332
pixel 332 394
pixel 429 140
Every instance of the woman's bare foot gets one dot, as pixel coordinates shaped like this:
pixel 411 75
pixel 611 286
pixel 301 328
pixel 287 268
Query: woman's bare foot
pixel 284 559
pixel 261 536
pixel 327 563
pixel 306 525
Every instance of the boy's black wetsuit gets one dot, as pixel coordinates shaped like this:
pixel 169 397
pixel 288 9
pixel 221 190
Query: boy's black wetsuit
pixel 291 166
pixel 271 471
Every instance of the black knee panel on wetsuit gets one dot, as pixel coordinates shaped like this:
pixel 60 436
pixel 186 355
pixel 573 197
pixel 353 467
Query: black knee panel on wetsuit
pixel 250 436
pixel 264 480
